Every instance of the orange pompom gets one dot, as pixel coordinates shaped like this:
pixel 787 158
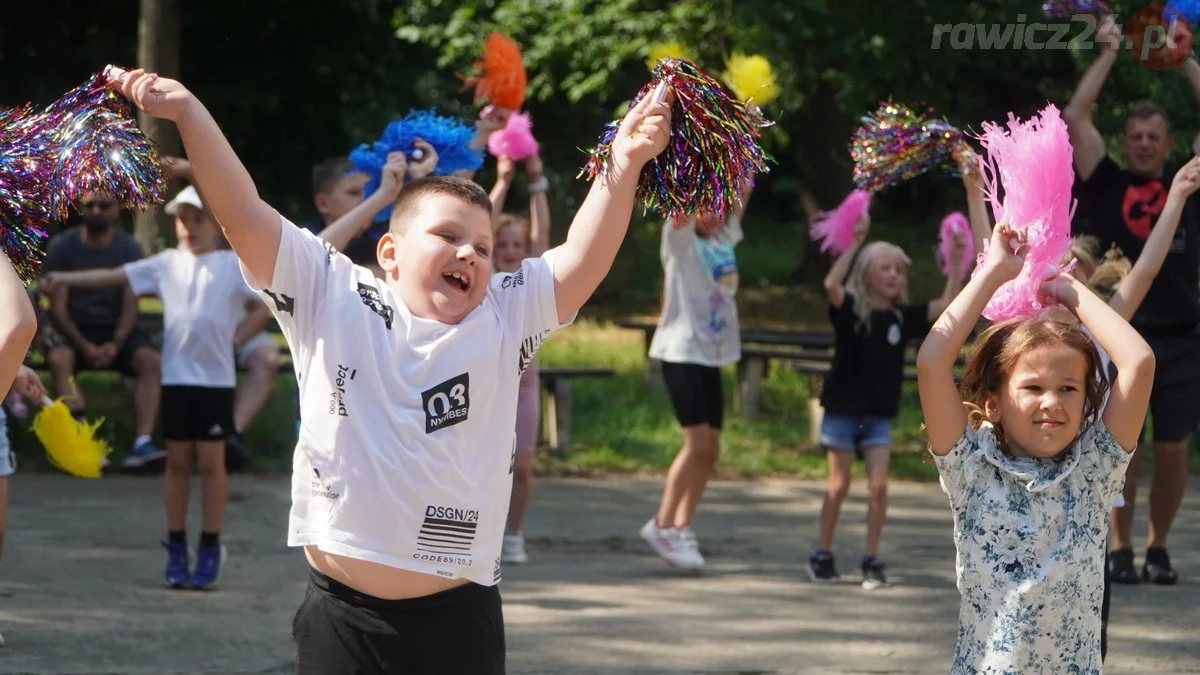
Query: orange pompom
pixel 502 78
pixel 1168 41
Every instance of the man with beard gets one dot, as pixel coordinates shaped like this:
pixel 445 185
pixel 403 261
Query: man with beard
pixel 100 326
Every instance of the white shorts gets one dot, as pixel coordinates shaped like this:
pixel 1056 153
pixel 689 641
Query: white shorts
pixel 8 461
pixel 252 345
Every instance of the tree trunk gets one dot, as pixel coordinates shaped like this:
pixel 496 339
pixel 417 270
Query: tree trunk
pixel 158 51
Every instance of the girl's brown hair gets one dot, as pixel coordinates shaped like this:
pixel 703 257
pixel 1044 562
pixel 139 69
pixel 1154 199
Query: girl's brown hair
pixel 1101 276
pixel 511 220
pixel 995 354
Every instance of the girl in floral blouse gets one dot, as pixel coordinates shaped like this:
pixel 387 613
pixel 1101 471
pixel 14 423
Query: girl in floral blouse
pixel 1031 464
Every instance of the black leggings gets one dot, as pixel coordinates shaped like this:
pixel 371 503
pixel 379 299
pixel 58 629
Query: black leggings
pixel 339 631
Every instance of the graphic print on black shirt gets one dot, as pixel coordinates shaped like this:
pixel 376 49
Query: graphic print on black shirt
pixel 868 365
pixel 1122 209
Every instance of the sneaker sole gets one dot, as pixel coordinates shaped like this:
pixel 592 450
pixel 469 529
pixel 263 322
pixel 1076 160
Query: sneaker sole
pixel 670 563
pixel 812 576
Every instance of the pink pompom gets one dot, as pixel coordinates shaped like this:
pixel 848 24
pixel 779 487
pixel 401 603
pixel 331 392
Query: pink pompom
pixel 515 139
pixel 955 223
pixel 1033 162
pixel 835 229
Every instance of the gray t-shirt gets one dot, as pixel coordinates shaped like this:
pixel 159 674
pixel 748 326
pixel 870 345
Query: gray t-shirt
pixel 93 308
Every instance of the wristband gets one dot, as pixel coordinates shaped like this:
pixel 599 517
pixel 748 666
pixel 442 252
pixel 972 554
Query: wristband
pixel 539 185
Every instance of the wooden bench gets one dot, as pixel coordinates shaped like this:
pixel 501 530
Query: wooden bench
pixel 556 419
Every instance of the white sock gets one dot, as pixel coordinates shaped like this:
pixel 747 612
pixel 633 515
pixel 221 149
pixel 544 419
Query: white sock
pixel 140 440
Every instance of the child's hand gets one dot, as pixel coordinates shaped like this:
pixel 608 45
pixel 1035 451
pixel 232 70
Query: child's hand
pixel 49 282
pixel 506 169
pixel 492 121
pixel 428 161
pixel 862 228
pixel 1187 179
pixel 534 168
pixel 157 96
pixel 29 385
pixel 644 132
pixel 1006 251
pixel 968 166
pixel 1060 289
pixel 391 179
pixel 177 167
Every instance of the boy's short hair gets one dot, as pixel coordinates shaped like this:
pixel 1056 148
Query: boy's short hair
pixel 326 174
pixel 452 186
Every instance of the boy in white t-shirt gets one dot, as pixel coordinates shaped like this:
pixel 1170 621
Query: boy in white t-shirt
pixel 408 387
pixel 201 288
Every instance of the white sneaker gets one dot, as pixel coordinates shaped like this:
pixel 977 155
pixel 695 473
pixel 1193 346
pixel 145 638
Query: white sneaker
pixel 512 550
pixel 688 539
pixel 670 545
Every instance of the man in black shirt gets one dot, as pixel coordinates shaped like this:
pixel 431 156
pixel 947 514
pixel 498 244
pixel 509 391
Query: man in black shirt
pixel 1121 205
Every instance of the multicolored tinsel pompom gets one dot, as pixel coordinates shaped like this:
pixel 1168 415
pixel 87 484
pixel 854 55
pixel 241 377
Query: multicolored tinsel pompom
pixel 713 150
pixel 86 141
pixel 448 136
pixel 101 149
pixel 1065 9
pixel 895 144
pixel 25 182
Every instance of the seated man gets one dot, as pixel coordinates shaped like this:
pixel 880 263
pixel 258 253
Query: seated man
pixel 100 326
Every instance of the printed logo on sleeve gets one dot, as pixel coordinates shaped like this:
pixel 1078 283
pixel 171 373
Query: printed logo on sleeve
pixel 529 349
pixel 447 403
pixel 496 572
pixel 329 251
pixel 337 399
pixel 513 280
pixel 371 298
pixel 283 302
pixel 446 535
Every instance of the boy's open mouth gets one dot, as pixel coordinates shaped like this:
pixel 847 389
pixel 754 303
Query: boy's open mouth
pixel 457 279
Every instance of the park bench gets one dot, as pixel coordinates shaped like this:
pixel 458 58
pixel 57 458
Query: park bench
pixel 556 382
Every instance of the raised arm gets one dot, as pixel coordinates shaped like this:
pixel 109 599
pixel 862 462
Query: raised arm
pixel 953 280
pixel 1133 288
pixel 18 323
pixel 505 171
pixel 250 224
pixel 835 280
pixel 599 227
pixel 539 207
pixel 1130 393
pixel 1086 140
pixel 744 200
pixel 358 219
pixel 945 418
pixel 1191 70
pixel 977 210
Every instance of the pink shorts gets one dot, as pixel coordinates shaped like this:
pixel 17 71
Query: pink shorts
pixel 529 406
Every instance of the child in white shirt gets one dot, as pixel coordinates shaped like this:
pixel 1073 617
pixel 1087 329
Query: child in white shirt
pixel 201 288
pixel 1033 470
pixel 408 388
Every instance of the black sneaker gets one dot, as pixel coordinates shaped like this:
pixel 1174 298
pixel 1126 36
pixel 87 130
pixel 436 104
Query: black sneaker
pixel 821 569
pixel 235 453
pixel 1157 568
pixel 1120 567
pixel 873 574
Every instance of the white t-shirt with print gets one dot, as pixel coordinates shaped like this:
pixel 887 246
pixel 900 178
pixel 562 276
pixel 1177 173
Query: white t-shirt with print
pixel 407 442
pixel 202 296
pixel 1030 537
pixel 699 320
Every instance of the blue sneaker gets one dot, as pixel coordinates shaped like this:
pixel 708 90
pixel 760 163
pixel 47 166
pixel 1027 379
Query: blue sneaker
pixel 209 561
pixel 177 565
pixel 145 458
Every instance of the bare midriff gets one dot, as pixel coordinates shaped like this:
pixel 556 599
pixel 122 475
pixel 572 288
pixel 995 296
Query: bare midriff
pixel 374 579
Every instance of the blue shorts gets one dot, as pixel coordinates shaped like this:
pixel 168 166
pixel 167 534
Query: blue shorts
pixel 855 432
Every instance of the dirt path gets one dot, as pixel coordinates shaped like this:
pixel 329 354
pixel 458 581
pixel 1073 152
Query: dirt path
pixel 80 591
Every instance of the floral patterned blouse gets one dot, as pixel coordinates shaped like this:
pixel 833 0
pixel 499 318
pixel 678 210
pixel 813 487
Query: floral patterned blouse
pixel 1030 536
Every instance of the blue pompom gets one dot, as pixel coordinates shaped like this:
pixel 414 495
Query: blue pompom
pixel 1189 10
pixel 450 137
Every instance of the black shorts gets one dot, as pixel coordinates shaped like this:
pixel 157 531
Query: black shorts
pixel 1175 398
pixel 123 362
pixel 196 413
pixel 455 632
pixel 695 392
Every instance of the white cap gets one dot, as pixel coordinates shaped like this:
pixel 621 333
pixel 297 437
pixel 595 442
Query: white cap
pixel 188 195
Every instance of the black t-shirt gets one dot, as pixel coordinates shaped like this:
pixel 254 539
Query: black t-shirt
pixel 868 365
pixel 1121 208
pixel 98 308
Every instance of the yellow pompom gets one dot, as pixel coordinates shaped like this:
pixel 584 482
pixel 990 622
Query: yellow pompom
pixel 668 50
pixel 70 444
pixel 751 77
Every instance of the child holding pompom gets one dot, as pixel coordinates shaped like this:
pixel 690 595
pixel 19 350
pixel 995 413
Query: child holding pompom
pixel 18 325
pixel 518 238
pixel 201 287
pixel 698 333
pixel 1031 464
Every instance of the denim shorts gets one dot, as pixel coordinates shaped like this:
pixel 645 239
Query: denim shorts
pixel 855 432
